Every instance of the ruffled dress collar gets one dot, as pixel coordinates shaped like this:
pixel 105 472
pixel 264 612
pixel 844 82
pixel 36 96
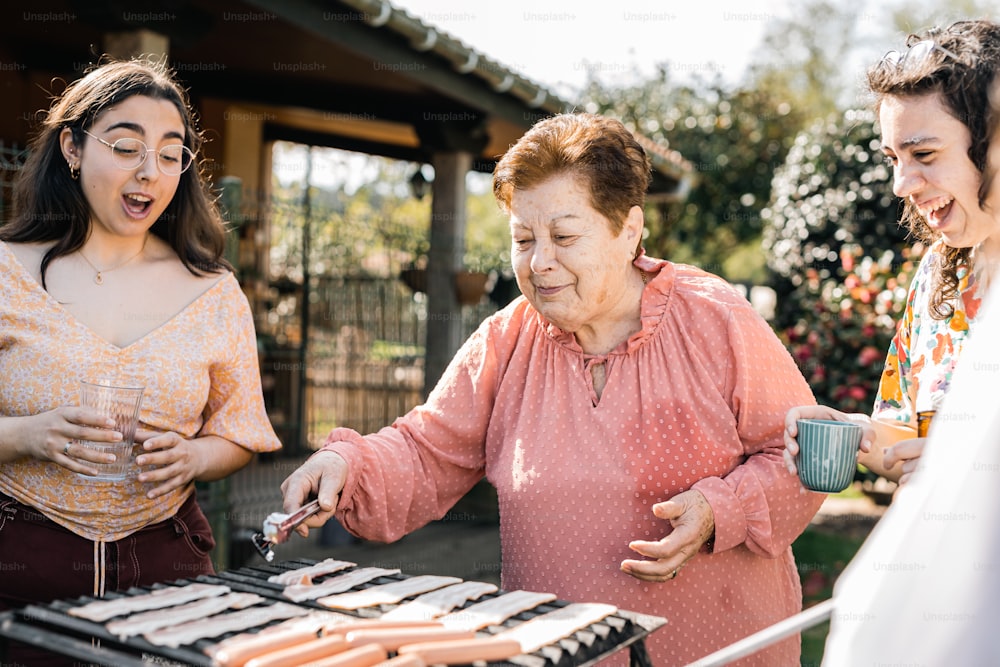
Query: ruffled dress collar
pixel 655 300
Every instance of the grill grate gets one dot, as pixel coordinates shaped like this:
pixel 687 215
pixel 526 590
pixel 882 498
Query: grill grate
pixel 51 627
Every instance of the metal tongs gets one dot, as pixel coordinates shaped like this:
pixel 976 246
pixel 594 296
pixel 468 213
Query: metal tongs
pixel 278 526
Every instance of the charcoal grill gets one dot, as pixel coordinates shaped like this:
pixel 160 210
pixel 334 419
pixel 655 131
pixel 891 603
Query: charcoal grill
pixel 50 627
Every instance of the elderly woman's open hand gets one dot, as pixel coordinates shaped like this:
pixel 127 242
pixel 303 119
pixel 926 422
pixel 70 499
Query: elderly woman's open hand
pixel 694 523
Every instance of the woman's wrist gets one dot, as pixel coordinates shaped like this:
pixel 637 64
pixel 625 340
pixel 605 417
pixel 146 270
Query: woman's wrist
pixel 13 443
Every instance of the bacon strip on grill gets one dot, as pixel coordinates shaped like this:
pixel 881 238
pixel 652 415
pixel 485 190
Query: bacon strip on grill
pixel 439 602
pixel 213 626
pixel 387 593
pixel 392 638
pixel 251 646
pixel 148 621
pixel 101 610
pixel 338 584
pixel 495 610
pixel 549 628
pixel 305 575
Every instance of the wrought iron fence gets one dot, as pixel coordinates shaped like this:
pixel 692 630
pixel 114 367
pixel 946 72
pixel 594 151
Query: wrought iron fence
pixel 363 367
pixel 366 352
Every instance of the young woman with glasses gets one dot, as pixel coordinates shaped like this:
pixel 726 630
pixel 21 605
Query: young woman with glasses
pixel 111 271
pixel 939 111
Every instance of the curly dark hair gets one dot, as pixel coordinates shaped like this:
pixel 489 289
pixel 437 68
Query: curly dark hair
pixel 49 205
pixel 961 63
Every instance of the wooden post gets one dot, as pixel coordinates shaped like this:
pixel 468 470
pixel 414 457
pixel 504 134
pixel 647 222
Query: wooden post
pixel 444 314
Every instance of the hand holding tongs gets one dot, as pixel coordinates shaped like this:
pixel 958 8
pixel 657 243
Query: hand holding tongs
pixel 278 526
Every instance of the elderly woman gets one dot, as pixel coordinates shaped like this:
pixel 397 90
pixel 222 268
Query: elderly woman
pixel 938 116
pixel 627 410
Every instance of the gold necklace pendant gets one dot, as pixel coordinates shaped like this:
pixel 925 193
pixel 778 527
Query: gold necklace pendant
pixel 99 273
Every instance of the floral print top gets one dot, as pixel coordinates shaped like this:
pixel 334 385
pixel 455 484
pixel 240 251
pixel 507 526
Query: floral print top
pixel 924 351
pixel 201 377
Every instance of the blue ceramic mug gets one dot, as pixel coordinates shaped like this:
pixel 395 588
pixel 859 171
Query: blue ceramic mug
pixel 828 454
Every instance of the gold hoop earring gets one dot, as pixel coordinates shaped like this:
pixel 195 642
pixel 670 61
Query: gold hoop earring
pixel 74 172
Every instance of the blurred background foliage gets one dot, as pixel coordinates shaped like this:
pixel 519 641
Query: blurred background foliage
pixel 838 259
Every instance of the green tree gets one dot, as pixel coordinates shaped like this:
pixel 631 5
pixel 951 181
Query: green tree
pixel 365 220
pixel 737 136
pixel 487 233
pixel 734 140
pixel 362 219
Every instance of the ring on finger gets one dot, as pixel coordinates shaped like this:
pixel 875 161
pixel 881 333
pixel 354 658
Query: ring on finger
pixel 66 447
pixel 673 575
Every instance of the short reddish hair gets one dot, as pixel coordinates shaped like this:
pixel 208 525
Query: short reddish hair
pixel 598 149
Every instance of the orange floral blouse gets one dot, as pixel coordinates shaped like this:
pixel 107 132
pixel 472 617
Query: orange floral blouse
pixel 201 375
pixel 924 352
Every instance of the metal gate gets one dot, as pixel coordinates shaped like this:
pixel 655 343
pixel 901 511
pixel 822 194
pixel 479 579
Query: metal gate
pixel 366 352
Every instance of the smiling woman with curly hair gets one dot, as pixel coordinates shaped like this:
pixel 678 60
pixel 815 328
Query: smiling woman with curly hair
pixel 939 114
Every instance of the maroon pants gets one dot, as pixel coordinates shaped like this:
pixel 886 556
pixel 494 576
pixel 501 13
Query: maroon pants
pixel 41 561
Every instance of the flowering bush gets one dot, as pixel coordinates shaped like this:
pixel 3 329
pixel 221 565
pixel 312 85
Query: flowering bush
pixel 840 338
pixel 840 261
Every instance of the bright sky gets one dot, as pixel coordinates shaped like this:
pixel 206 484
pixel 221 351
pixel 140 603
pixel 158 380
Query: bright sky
pixel 557 42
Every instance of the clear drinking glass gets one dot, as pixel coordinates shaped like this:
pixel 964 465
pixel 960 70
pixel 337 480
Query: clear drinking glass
pixel 122 405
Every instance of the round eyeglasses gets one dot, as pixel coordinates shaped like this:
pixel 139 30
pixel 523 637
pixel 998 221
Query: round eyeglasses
pixel 129 153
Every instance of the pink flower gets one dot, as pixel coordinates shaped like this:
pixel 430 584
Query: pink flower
pixel 856 392
pixel 869 354
pixel 846 259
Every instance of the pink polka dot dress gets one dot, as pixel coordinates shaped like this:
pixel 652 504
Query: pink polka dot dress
pixel 695 400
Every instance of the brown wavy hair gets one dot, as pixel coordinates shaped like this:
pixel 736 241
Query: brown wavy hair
pixel 49 205
pixel 964 71
pixel 599 149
